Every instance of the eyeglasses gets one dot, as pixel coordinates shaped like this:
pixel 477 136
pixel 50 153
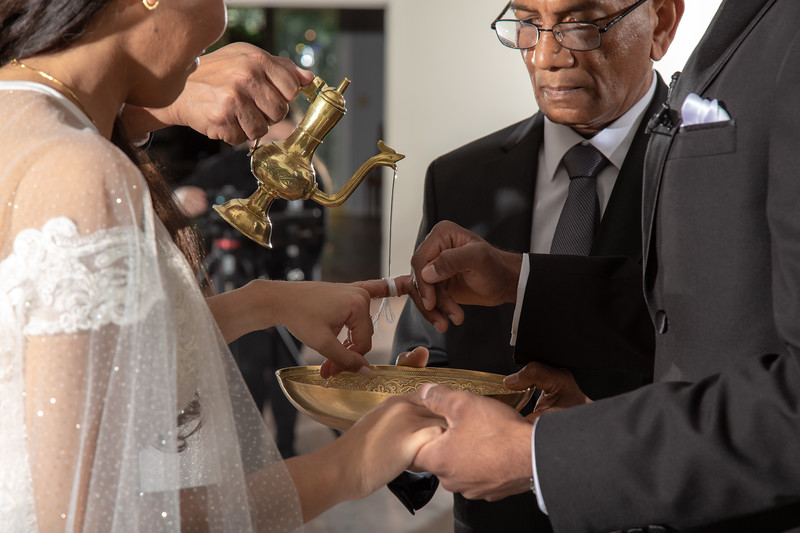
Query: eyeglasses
pixel 578 36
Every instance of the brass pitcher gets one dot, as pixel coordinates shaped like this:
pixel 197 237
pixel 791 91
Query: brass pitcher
pixel 284 170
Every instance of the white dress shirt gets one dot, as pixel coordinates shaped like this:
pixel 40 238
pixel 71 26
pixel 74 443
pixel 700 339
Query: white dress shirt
pixel 552 180
pixel 552 185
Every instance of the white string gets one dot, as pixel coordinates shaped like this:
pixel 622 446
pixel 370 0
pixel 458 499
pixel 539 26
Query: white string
pixel 392 287
pixel 386 308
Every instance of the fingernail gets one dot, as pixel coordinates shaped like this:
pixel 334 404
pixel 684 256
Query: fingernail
pixel 429 274
pixel 423 390
pixel 452 318
pixel 364 370
pixel 512 379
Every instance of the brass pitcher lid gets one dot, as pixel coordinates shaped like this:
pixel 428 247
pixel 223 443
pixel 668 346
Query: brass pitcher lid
pixel 335 97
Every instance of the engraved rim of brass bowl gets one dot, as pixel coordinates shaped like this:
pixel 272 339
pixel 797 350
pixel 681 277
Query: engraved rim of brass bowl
pixel 346 397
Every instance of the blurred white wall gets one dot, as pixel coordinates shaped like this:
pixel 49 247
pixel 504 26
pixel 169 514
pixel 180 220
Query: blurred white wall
pixel 694 23
pixel 449 81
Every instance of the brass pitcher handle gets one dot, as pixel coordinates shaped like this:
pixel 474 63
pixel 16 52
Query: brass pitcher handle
pixel 311 90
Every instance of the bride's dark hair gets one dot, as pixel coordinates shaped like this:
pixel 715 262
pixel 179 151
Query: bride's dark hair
pixel 32 27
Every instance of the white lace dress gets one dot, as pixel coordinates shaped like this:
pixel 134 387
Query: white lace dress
pixel 107 349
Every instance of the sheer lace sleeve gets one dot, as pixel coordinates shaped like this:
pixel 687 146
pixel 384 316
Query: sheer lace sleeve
pixel 120 406
pixel 68 283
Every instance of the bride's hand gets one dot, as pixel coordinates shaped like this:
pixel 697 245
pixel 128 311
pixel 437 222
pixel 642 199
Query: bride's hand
pixel 383 443
pixel 314 312
pixel 366 457
pixel 317 312
pixel 378 289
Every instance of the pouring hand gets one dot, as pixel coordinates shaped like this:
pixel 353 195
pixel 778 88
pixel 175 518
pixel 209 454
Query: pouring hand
pixel 236 94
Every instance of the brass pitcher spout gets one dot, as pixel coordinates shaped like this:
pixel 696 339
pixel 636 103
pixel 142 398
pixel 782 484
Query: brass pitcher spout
pixel 387 158
pixel 284 169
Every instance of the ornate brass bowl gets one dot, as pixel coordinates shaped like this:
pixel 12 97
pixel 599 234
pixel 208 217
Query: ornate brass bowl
pixel 347 397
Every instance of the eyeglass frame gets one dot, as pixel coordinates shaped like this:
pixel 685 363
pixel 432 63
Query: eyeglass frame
pixel 539 30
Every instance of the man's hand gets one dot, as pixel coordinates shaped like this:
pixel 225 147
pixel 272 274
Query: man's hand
pixel 559 389
pixel 485 452
pixel 454 266
pixel 417 358
pixel 236 94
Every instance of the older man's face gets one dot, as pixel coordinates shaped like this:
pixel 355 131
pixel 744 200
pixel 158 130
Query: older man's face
pixel 589 90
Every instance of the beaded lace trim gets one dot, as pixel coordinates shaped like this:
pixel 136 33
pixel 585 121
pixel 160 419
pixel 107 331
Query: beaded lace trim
pixel 58 281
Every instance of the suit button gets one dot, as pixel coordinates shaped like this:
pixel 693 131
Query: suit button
pixel 662 324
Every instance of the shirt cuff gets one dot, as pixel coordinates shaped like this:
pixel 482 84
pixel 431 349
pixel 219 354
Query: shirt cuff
pixel 524 270
pixel 539 498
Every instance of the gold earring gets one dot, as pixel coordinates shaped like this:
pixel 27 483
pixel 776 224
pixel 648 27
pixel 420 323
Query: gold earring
pixel 150 6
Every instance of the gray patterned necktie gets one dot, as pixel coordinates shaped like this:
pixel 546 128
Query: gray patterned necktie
pixel 581 214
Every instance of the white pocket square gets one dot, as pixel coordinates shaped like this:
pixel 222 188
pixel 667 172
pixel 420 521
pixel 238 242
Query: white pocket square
pixel 696 110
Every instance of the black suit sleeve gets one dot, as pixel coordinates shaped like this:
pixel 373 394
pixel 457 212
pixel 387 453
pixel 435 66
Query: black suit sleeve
pixel 585 313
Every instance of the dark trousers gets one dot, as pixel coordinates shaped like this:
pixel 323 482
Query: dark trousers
pixel 259 354
pixel 515 513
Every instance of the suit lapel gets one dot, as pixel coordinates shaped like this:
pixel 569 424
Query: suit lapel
pixel 620 231
pixel 514 173
pixel 726 32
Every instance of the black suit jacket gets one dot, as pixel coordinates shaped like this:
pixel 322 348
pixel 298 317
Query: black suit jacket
pixel 587 305
pixel 716 446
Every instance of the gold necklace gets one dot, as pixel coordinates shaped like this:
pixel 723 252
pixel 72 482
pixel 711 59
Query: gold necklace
pixel 61 84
